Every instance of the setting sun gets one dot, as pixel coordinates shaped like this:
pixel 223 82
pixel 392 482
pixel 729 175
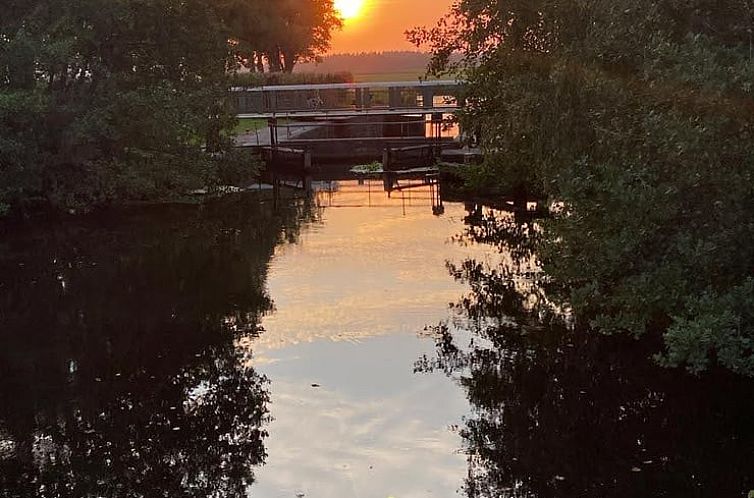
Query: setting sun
pixel 348 9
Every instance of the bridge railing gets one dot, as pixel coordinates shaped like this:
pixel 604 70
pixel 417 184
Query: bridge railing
pixel 293 99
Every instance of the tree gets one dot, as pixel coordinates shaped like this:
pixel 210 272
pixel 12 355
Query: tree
pixel 102 101
pixel 637 117
pixel 285 32
pixel 306 29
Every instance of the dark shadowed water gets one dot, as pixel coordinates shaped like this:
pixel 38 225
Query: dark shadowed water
pixel 348 345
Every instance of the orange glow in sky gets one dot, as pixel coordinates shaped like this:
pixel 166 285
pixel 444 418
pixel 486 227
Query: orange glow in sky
pixel 379 25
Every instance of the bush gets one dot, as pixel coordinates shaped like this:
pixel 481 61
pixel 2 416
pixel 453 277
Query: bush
pixel 637 117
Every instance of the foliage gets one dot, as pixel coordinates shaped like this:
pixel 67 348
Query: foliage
pixel 102 101
pixel 282 32
pixel 637 117
pixel 105 102
pixel 366 169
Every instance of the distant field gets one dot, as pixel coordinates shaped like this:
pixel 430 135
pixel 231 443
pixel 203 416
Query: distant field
pixel 379 77
pixel 397 76
pixel 373 67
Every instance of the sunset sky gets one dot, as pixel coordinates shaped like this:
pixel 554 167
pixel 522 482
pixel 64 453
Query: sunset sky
pixel 380 24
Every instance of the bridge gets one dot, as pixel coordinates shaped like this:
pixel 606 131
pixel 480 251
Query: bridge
pixel 348 99
pixel 318 127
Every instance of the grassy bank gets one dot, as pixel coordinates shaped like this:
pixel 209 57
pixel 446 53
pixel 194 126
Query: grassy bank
pixel 249 125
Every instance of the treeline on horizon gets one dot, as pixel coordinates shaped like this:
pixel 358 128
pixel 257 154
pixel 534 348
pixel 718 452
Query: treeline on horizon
pixel 106 102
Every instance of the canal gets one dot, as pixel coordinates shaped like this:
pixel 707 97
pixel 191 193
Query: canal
pixel 353 302
pixel 347 344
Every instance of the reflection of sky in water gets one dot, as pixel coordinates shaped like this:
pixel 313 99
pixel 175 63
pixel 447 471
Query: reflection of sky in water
pixel 373 428
pixel 362 273
pixel 352 298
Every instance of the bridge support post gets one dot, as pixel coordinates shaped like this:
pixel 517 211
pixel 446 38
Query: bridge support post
pixel 394 97
pixel 307 161
pixel 272 124
pixel 307 180
pixel 428 97
pixel 437 120
pixel 386 159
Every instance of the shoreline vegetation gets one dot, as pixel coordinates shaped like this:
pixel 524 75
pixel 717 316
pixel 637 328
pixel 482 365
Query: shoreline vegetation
pixel 101 103
pixel 199 199
pixel 637 120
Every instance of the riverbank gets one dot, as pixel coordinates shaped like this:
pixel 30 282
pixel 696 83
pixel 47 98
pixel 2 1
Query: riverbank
pixel 44 215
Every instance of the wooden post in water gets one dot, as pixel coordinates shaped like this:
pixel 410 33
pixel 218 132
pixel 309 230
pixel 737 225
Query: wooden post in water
pixel 387 176
pixel 436 192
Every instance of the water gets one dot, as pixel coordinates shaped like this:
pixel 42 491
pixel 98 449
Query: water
pixel 352 301
pixel 347 346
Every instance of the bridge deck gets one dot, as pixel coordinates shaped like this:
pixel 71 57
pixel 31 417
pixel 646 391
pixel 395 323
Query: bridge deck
pixel 348 113
pixel 348 99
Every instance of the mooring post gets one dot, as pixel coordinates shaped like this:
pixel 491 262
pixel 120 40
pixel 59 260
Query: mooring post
pixel 387 176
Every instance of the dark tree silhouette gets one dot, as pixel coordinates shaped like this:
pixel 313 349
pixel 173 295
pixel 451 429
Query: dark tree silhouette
pixel 560 412
pixel 120 370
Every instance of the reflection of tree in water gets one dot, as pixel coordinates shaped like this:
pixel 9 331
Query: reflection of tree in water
pixel 119 374
pixel 559 412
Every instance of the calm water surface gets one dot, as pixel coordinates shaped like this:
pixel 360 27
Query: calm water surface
pixel 353 299
pixel 349 345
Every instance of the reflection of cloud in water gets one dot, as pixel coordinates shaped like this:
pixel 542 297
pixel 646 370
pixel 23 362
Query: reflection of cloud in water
pixel 365 272
pixel 351 438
